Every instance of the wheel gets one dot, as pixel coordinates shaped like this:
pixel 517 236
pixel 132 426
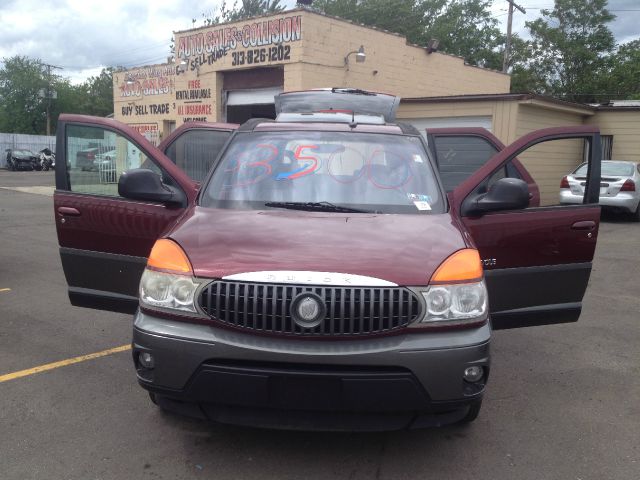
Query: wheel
pixel 635 216
pixel 152 396
pixel 472 414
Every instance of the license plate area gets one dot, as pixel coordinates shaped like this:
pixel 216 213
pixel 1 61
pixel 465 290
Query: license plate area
pixel 308 389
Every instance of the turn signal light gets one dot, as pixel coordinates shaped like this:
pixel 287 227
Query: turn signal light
pixel 167 255
pixel 564 183
pixel 628 186
pixel 462 266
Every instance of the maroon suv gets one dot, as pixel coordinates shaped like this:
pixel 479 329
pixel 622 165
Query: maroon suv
pixel 331 271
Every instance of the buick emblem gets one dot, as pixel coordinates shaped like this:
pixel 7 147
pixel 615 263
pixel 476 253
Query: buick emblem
pixel 307 310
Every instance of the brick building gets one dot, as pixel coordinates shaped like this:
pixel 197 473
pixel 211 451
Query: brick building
pixel 230 72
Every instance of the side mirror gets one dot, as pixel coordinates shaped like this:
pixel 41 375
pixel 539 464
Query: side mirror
pixel 143 184
pixel 505 194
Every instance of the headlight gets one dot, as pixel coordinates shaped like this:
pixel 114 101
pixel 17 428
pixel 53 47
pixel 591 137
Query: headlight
pixel 169 291
pixel 456 304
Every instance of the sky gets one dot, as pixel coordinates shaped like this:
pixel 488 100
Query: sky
pixel 83 36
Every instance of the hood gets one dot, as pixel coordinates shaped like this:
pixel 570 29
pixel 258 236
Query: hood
pixel 403 249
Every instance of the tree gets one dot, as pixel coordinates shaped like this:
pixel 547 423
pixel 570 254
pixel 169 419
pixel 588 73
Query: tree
pixel 466 28
pixel 569 50
pixel 409 18
pixel 99 93
pixel 624 76
pixel 22 109
pixel 249 8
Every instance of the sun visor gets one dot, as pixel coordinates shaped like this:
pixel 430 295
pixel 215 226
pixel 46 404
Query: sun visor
pixel 341 99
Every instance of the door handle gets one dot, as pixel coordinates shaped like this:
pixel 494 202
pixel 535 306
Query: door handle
pixel 68 212
pixel 584 225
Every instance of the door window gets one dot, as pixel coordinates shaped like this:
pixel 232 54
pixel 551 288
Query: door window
pixel 96 157
pixel 460 156
pixel 548 162
pixel 196 150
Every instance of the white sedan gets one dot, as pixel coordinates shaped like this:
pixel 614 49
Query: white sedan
pixel 619 186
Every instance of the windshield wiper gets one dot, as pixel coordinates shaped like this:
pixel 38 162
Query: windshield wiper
pixel 316 206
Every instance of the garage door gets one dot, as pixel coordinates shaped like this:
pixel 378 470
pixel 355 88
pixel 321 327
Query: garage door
pixel 257 96
pixel 449 122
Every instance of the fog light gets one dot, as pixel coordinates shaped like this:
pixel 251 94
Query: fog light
pixel 473 374
pixel 146 360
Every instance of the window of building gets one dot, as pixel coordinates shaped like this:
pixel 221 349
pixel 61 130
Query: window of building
pixel 607 146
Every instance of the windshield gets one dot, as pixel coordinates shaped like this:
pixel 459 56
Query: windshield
pixel 613 169
pixel 324 170
pixel 22 153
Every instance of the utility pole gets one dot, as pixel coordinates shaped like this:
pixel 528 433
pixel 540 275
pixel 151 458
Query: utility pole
pixel 49 94
pixel 507 50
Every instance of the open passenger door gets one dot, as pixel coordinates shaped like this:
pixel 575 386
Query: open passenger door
pixel 105 238
pixel 537 260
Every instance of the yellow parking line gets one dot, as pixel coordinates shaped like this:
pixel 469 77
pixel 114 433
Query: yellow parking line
pixel 62 363
pixel 5 289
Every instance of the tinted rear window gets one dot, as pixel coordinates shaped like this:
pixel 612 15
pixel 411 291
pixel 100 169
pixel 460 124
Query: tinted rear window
pixel 195 151
pixel 460 156
pixel 610 169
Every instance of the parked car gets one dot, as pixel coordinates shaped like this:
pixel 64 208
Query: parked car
pixel 46 159
pixel 85 158
pixel 21 159
pixel 619 187
pixel 105 165
pixel 321 277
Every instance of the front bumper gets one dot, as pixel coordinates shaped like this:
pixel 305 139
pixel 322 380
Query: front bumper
pixel 23 164
pixel 383 383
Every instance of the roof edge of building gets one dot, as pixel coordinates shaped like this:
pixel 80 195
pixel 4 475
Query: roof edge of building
pixel 314 11
pixel 499 96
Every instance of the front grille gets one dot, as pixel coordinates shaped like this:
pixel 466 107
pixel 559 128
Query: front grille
pixel 350 311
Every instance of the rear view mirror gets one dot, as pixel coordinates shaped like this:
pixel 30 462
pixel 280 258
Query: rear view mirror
pixel 505 194
pixel 143 184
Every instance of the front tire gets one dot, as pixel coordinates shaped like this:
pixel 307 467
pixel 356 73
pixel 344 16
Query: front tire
pixel 635 216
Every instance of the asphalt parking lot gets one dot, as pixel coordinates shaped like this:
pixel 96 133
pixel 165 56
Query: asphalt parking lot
pixel 563 401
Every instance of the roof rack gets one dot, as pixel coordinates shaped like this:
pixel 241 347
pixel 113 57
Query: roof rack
pixel 250 124
pixel 339 99
pixel 331 116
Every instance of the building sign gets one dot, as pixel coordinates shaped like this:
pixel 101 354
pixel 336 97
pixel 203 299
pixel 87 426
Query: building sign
pixel 145 128
pixel 267 41
pixel 146 109
pixel 147 82
pixel 196 102
pixel 188 93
